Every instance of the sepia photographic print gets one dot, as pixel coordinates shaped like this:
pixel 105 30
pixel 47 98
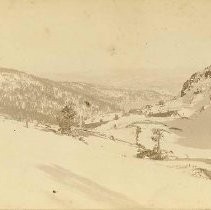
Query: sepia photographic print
pixel 105 104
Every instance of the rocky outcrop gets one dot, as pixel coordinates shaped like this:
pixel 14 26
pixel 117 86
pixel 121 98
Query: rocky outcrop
pixel 196 82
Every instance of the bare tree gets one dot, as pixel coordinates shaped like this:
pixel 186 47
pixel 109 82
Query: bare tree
pixel 138 131
pixel 156 137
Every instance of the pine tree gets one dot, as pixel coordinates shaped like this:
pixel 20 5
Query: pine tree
pixel 67 119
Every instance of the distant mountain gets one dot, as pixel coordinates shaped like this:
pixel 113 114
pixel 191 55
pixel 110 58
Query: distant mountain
pixel 121 98
pixel 24 96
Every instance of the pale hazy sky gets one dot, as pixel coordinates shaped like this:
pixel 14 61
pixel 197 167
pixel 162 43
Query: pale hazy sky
pixel 95 39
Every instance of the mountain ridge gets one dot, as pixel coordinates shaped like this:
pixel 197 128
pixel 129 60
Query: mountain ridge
pixel 23 94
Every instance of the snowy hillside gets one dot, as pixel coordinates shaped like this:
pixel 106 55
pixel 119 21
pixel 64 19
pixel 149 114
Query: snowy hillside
pixel 195 97
pixel 199 82
pixel 44 170
pixel 26 96
pixel 123 98
pixel 197 90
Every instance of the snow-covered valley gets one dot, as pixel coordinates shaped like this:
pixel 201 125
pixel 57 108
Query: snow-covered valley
pixel 103 165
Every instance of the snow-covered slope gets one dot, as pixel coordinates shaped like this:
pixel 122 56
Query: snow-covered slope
pixel 195 96
pixel 195 132
pixel 44 170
